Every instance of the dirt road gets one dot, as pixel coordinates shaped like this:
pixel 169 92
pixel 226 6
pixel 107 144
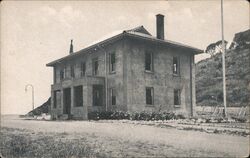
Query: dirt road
pixel 123 139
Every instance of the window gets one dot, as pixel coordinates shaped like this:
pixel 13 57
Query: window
pixel 95 66
pixel 177 99
pixel 64 72
pixel 149 95
pixel 97 95
pixel 54 75
pixel 61 74
pixel 149 61
pixel 176 65
pixel 72 71
pixel 113 96
pixel 112 62
pixel 78 97
pixel 83 69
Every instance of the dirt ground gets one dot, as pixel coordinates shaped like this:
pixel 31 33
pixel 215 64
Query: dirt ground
pixel 116 139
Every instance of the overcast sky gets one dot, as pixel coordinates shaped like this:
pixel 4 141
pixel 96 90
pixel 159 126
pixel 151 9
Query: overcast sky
pixel 34 33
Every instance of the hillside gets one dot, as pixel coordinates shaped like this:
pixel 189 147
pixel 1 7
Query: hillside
pixel 209 75
pixel 44 108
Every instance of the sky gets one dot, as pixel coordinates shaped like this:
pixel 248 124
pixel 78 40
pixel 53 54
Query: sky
pixel 34 33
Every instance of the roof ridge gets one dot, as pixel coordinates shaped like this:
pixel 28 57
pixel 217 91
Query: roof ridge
pixel 139 29
pixel 136 28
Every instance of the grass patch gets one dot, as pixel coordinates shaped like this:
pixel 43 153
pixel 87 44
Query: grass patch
pixel 19 143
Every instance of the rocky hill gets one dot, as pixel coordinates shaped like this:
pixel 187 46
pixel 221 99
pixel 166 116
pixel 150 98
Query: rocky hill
pixel 209 75
pixel 44 108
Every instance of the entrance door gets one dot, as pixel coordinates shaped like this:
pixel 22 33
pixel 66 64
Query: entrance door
pixel 66 100
pixel 97 95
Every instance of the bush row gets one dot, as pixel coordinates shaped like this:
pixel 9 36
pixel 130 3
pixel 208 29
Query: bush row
pixel 146 116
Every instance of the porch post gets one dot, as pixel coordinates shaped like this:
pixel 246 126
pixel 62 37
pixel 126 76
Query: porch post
pixel 62 102
pixel 85 101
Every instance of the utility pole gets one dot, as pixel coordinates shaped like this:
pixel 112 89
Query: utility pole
pixel 26 89
pixel 223 63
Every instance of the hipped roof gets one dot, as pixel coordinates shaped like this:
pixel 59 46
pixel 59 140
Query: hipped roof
pixel 138 33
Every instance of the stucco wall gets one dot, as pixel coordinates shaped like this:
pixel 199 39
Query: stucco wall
pixel 161 79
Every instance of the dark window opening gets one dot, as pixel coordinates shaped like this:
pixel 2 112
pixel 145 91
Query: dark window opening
pixel 67 101
pixel 54 75
pixel 78 96
pixel 176 65
pixel 112 62
pixel 177 99
pixel 97 95
pixel 72 71
pixel 83 69
pixel 95 67
pixel 149 95
pixel 55 98
pixel 113 96
pixel 61 75
pixel 149 61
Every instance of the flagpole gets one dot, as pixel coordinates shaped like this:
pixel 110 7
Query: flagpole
pixel 223 63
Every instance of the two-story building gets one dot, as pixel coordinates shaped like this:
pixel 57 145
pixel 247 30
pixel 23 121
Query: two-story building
pixel 131 71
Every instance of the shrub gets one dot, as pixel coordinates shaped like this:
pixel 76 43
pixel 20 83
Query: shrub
pixel 239 119
pixel 219 119
pixel 159 116
pixel 135 116
pixel 94 115
pixel 145 116
pixel 180 116
pixel 119 115
pixel 208 120
pixel 108 115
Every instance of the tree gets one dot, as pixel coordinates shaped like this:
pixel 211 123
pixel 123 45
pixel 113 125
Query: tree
pixel 210 49
pixel 215 48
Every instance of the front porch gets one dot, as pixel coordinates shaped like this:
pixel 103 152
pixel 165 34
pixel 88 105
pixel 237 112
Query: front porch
pixel 73 98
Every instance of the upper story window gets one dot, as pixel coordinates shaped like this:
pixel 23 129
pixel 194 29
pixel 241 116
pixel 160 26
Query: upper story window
pixel 177 97
pixel 63 73
pixel 148 61
pixel 54 75
pixel 112 62
pixel 176 65
pixel 149 95
pixel 72 71
pixel 83 69
pixel 95 66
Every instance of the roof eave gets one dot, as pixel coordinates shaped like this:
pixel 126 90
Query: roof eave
pixel 193 49
pixel 51 64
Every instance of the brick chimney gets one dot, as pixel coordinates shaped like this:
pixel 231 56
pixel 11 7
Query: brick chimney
pixel 160 26
pixel 71 47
